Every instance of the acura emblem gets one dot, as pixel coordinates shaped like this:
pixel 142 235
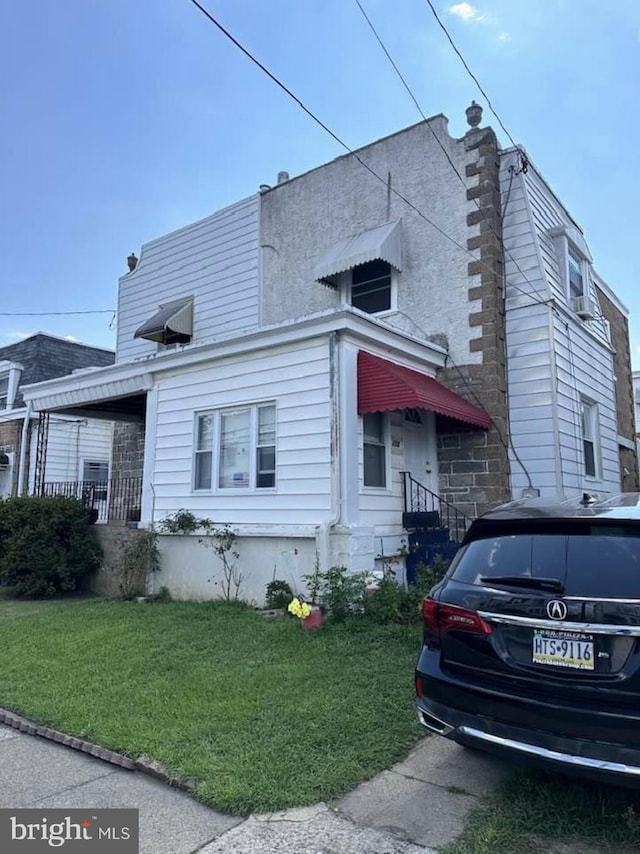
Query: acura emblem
pixel 556 609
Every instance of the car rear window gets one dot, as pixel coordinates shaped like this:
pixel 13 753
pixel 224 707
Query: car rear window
pixel 598 561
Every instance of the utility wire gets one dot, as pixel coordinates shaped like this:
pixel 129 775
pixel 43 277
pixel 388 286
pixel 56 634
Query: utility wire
pixel 334 136
pixel 53 313
pixel 472 75
pixel 413 97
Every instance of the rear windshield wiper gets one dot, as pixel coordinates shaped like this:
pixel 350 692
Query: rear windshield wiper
pixel 552 584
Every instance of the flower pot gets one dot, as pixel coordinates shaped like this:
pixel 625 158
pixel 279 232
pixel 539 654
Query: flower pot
pixel 313 621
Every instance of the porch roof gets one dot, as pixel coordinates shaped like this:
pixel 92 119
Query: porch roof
pixel 111 393
pixel 384 386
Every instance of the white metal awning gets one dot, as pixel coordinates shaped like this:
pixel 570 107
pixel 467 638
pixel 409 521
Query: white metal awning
pixel 173 318
pixel 377 244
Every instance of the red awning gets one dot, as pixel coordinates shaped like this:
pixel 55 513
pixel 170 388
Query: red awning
pixel 384 386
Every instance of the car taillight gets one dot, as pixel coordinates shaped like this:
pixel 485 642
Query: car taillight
pixel 439 618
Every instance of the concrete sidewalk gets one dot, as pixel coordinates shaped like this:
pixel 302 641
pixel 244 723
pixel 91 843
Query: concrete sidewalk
pixel 415 807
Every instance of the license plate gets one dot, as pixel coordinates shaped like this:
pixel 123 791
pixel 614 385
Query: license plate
pixel 563 649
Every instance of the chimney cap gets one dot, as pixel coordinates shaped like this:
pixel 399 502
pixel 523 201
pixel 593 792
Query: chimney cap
pixel 474 114
pixel 132 262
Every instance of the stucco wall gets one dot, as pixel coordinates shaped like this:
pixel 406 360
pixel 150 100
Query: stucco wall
pixel 305 216
pixel 192 571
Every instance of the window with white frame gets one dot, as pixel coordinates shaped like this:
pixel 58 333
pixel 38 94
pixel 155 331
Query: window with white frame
pixel 4 391
pixel 576 274
pixel 589 415
pixel 236 448
pixel 374 449
pixel 371 287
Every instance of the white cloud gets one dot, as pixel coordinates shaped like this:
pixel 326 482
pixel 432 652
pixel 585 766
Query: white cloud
pixel 504 37
pixel 18 336
pixel 72 338
pixel 465 11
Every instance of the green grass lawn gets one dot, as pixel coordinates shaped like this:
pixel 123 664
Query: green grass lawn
pixel 533 808
pixel 261 714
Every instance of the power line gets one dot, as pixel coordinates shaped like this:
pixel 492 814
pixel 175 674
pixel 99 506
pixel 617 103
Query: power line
pixel 445 152
pixel 53 313
pixel 334 136
pixel 472 75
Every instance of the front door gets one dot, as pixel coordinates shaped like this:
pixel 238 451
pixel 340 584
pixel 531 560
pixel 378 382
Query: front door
pixel 420 453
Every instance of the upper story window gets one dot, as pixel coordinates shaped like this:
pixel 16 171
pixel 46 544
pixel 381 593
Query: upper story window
pixel 371 286
pixel 9 380
pixel 576 277
pixel 4 391
pixel 574 265
pixel 171 325
pixel 236 448
pixel 364 268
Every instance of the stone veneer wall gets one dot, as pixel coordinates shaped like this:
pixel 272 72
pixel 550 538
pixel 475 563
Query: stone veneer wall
pixel 128 450
pixel 474 465
pixel 10 440
pixel 624 390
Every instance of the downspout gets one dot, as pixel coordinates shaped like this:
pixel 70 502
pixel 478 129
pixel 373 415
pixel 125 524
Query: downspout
pixel 23 446
pixel 324 549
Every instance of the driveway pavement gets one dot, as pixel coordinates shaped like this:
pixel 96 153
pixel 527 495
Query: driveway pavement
pixel 414 808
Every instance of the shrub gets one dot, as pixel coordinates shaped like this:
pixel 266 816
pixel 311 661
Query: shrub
pixel 393 603
pixel 138 557
pixel 279 594
pixel 342 593
pixel 46 545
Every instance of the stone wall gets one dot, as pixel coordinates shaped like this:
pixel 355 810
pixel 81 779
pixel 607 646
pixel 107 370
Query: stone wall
pixel 474 465
pixel 128 450
pixel 624 390
pixel 10 440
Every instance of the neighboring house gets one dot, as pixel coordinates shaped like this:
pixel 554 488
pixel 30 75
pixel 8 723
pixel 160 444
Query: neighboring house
pixel 317 364
pixel 77 449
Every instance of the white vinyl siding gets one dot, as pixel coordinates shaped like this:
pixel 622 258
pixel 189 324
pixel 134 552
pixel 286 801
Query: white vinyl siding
pixel 295 378
pixel 72 442
pixel 215 261
pixel 544 387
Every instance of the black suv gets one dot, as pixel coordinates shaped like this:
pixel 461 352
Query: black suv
pixel 532 640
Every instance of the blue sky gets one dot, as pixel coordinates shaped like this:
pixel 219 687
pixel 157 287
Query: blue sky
pixel 124 120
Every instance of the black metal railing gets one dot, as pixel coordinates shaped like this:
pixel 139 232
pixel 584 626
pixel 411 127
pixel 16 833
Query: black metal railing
pixel 426 509
pixel 118 499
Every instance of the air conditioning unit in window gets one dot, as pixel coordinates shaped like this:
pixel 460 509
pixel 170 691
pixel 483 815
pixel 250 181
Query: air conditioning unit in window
pixel 583 307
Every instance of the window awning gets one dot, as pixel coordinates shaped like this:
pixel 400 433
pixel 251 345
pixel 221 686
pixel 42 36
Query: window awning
pixel 378 244
pixel 384 386
pixel 174 319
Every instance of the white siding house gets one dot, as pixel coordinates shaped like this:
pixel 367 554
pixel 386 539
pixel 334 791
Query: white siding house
pixel 561 378
pixel 323 363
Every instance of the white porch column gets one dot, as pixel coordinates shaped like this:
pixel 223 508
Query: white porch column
pixel 349 433
pixel 148 468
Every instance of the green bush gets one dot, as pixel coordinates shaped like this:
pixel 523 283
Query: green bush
pixel 392 603
pixel 139 557
pixel 46 545
pixel 340 592
pixel 279 594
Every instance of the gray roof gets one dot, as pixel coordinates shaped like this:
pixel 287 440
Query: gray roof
pixel 45 357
